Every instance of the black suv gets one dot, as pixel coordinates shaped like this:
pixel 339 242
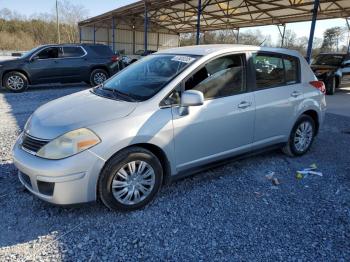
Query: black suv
pixel 330 68
pixel 66 63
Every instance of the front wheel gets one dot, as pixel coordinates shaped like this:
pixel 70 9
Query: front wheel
pixel 130 180
pixel 301 137
pixel 98 76
pixel 15 82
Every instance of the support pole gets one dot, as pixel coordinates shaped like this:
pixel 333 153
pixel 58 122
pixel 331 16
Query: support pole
pixel 312 30
pixel 282 33
pixel 146 28
pixel 157 41
pixel 113 34
pixel 80 34
pixel 94 34
pixel 109 42
pixel 133 40
pixel 199 13
pixel 237 36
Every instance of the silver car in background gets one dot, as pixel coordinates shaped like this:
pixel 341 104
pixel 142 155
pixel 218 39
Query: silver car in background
pixel 170 114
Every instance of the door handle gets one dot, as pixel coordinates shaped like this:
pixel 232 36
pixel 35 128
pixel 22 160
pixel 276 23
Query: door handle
pixel 244 104
pixel 295 94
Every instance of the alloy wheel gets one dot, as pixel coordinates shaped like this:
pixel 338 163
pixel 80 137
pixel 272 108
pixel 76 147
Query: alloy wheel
pixel 99 78
pixel 303 136
pixel 15 82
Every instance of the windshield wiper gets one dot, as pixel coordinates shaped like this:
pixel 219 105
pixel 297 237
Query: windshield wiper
pixel 118 93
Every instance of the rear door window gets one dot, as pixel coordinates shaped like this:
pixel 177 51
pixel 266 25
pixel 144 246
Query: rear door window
pixel 273 70
pixel 72 51
pixel 269 70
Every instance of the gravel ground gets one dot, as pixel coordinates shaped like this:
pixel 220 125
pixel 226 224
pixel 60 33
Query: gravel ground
pixel 232 212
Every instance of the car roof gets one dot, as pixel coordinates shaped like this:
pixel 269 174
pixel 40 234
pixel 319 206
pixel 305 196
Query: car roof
pixel 74 44
pixel 204 50
pixel 330 53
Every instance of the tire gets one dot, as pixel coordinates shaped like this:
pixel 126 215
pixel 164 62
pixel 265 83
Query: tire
pixel 331 85
pixel 337 82
pixel 98 76
pixel 15 82
pixel 116 181
pixel 292 148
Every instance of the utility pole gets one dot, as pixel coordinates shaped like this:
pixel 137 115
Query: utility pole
pixel 58 25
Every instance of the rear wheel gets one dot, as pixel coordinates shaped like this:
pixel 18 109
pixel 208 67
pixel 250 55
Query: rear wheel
pixel 301 137
pixel 15 82
pixel 130 179
pixel 337 82
pixel 331 85
pixel 98 76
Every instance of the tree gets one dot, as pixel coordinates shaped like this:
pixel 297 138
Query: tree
pixel 331 39
pixel 18 32
pixel 254 37
pixel 69 15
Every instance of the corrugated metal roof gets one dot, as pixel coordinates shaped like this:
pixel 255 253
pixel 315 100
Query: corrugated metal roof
pixel 180 16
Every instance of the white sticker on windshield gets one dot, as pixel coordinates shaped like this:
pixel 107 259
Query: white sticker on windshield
pixel 183 59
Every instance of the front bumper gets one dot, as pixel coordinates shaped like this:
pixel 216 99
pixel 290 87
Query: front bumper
pixel 72 180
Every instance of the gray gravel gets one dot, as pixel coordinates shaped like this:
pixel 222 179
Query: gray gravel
pixel 228 213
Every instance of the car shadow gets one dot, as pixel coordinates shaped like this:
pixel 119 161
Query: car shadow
pixel 36 88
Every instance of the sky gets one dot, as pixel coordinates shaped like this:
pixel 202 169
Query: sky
pixel 96 7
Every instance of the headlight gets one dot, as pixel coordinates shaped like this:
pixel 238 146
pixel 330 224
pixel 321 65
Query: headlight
pixel 69 144
pixel 27 123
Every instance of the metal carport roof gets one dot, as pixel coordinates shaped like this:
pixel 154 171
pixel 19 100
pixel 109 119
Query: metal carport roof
pixel 180 16
pixel 183 16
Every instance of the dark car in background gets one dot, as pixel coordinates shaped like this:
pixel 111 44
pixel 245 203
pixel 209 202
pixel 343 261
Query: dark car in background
pixel 330 68
pixel 65 63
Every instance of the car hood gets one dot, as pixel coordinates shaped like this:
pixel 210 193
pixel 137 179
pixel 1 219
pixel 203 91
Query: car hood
pixel 75 111
pixel 11 60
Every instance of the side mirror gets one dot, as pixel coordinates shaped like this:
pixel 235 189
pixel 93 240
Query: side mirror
pixel 190 98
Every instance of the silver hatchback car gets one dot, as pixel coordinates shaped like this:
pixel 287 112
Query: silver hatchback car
pixel 168 115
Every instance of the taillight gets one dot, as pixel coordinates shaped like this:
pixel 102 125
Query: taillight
pixel 319 85
pixel 115 58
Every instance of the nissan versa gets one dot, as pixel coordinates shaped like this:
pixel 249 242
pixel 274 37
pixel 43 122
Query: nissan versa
pixel 169 114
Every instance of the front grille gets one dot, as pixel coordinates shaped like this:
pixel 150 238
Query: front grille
pixel 33 144
pixel 26 179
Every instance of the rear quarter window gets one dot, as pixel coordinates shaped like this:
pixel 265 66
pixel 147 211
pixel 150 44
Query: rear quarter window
pixel 102 50
pixel 73 51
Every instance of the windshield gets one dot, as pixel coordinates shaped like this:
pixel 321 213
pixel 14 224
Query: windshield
pixel 145 78
pixel 332 60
